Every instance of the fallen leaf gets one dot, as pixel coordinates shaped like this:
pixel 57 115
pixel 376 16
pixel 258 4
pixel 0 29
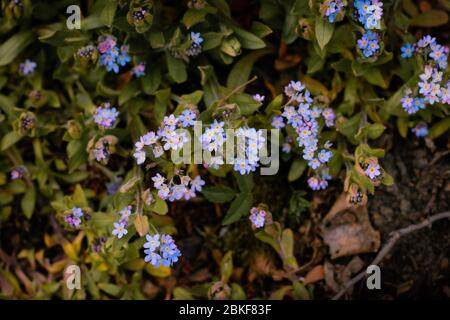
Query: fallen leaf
pixel 314 275
pixel 336 276
pixel 349 232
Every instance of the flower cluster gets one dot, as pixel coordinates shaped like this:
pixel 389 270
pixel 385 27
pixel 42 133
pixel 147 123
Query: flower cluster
pixel 120 227
pixel 195 47
pixel 259 217
pixel 102 149
pixel 111 56
pixel 431 87
pixel 420 130
pixel 27 121
pixel 369 44
pixel 97 244
pixel 27 67
pixel 249 142
pixel 185 189
pixel 105 116
pixel 319 181
pixel 333 10
pixel 18 172
pixel 138 70
pixel 305 121
pixel 369 13
pixel 167 137
pixel 87 53
pixel 161 250
pixel 73 218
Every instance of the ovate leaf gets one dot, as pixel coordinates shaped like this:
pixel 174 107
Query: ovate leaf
pixel 239 207
pixel 324 31
pixel 219 194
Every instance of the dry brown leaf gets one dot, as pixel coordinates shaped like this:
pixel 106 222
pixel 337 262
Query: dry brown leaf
pixel 314 275
pixel 141 224
pixel 348 231
pixel 337 275
pixel 287 62
pixel 261 265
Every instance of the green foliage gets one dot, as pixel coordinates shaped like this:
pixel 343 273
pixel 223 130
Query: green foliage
pixel 47 128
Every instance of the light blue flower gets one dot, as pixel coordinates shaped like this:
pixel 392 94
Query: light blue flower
pixel 407 50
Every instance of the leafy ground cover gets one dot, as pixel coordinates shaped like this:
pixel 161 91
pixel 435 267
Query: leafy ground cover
pixel 351 97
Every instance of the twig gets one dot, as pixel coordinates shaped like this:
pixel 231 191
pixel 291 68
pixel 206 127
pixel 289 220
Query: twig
pixel 394 236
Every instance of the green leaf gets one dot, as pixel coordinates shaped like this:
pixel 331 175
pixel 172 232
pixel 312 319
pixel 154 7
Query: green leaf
pixel 130 90
pixel 239 208
pixel 108 12
pixel 375 130
pixel 111 289
pixel 103 220
pixel 242 69
pixel 387 179
pixel 297 169
pixel 79 197
pixel 432 18
pixel 439 128
pixel 160 206
pixel 226 266
pixel 300 291
pixel 14 45
pixel 7 105
pixel 28 202
pixel 237 293
pixel 10 139
pixel 324 31
pixel 245 181
pixel 151 81
pixel 219 194
pixel 248 40
pixel 162 99
pixel 402 126
pixel 211 40
pixel 246 103
pixel 192 98
pixel 194 16
pixel 375 77
pixel 280 293
pixel 177 68
pixel 180 293
pixel 275 104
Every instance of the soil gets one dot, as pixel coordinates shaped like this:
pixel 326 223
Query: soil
pixel 418 265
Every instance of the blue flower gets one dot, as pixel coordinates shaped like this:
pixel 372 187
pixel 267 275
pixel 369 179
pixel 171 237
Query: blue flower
pixel 196 38
pixel 324 155
pixel 161 250
pixel 187 118
pixel 27 67
pixel 123 58
pixel 111 57
pixel 369 44
pixel 373 171
pixel 407 50
pixel 277 122
pixel 332 9
pixel 370 13
pixel 119 230
pixel 139 70
pixel 259 217
pixel 152 242
pixel 105 116
pixel 421 130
